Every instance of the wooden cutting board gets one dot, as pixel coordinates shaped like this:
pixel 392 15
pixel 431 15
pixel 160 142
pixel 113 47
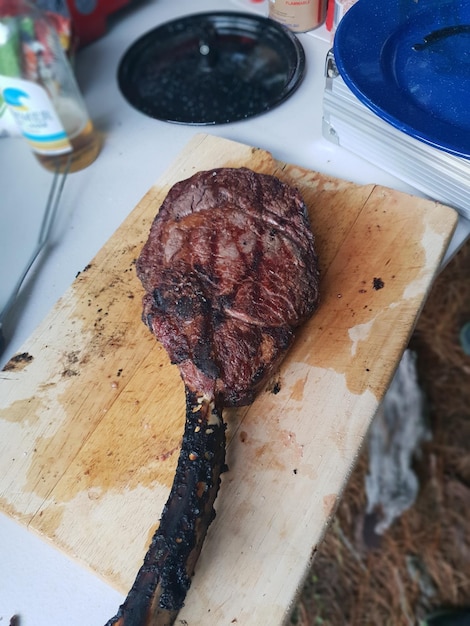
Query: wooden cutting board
pixel 92 412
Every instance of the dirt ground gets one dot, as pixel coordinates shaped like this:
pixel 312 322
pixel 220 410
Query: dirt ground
pixel 423 560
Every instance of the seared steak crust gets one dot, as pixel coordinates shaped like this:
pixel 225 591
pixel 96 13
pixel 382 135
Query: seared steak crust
pixel 230 270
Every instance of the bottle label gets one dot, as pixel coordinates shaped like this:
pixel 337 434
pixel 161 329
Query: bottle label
pixel 35 115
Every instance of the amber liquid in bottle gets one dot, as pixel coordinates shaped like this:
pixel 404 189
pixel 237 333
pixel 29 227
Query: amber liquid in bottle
pixel 86 146
pixel 83 138
pixel 39 86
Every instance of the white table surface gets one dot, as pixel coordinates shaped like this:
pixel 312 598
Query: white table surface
pixel 37 582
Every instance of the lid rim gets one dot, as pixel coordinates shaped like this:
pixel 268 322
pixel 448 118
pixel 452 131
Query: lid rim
pixel 132 64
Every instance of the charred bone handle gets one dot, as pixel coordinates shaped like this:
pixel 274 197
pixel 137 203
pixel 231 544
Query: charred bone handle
pixel 162 582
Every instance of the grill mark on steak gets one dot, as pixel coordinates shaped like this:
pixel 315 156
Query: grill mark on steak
pixel 229 271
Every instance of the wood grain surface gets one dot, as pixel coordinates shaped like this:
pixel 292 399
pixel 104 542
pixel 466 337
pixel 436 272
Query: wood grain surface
pixel 92 412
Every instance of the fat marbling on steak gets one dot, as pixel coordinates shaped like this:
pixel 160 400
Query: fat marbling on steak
pixel 229 270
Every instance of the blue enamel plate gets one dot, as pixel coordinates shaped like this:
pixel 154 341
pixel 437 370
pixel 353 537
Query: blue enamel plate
pixel 409 62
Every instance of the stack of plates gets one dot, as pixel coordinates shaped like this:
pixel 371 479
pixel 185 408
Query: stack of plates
pixel 398 92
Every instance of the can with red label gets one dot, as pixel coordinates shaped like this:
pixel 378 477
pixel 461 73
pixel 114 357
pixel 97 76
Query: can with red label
pixel 298 15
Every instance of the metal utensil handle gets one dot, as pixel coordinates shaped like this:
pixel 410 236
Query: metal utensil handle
pixel 52 204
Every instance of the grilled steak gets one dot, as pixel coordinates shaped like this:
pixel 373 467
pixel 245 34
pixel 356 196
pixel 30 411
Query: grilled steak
pixel 229 270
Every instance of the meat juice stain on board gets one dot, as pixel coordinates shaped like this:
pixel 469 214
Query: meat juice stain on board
pixel 350 272
pixel 114 460
pixel 59 401
pixel 272 445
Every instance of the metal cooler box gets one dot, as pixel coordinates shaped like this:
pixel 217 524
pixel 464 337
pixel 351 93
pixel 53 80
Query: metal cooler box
pixel 350 124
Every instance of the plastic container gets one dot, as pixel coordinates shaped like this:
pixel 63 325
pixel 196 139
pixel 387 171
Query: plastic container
pixel 38 85
pixel 299 16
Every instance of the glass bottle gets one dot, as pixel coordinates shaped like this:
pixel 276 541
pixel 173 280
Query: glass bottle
pixel 38 85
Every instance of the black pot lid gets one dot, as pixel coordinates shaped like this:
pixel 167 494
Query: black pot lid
pixel 212 68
